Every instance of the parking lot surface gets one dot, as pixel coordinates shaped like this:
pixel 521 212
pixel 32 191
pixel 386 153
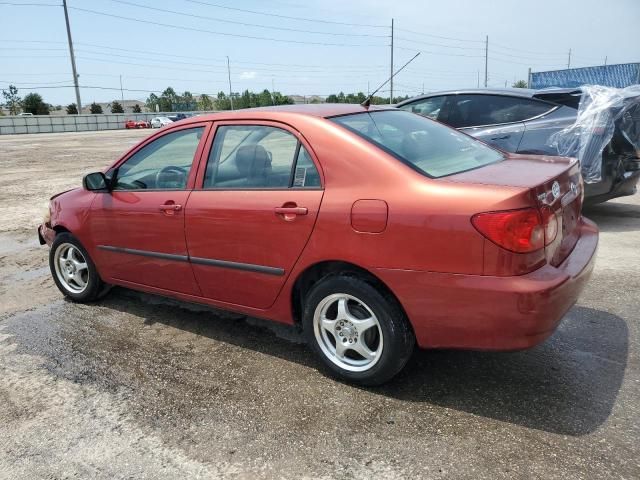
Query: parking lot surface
pixel 138 386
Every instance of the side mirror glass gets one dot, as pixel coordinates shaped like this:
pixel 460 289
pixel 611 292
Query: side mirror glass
pixel 96 181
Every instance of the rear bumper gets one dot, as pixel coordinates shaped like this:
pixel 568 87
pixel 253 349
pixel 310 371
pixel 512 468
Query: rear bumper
pixel 493 313
pixel 626 185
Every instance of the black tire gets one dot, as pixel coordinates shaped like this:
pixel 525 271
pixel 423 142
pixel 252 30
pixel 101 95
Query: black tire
pixel 398 338
pixel 95 288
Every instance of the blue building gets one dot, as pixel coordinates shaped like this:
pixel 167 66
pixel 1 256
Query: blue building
pixel 619 76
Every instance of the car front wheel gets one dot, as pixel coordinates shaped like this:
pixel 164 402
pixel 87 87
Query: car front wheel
pixel 73 271
pixel 359 332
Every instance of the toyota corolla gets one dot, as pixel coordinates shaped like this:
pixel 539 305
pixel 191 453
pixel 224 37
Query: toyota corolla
pixel 374 229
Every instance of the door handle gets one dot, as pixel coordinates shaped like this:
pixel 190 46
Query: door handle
pixel 504 137
pixel 291 210
pixel 170 208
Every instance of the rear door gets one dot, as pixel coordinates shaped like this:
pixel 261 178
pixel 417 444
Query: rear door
pixel 247 225
pixel 495 119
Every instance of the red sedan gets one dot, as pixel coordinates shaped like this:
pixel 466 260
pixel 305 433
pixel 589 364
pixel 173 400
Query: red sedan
pixel 374 229
pixel 137 124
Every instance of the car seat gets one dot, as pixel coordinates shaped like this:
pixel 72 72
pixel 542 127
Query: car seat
pixel 254 163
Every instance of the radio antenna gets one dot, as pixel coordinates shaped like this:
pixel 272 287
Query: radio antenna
pixel 367 100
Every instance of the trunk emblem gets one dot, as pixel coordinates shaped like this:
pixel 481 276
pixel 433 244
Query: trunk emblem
pixel 555 189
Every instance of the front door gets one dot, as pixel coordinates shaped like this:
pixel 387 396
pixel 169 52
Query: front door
pixel 251 220
pixel 138 228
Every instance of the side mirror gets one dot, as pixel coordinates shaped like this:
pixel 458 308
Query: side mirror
pixel 96 182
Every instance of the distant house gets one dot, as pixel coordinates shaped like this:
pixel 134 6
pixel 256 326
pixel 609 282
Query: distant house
pixel 301 99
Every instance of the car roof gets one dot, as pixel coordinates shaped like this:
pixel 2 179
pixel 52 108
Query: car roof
pixel 511 92
pixel 321 110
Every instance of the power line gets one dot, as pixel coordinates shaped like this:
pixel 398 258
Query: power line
pixel 202 30
pixel 438 44
pixel 13 4
pixel 439 53
pixel 439 36
pixel 165 54
pixel 313 69
pixel 215 19
pixel 314 20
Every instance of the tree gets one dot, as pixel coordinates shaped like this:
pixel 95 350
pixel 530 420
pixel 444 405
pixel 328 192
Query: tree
pixel 520 84
pixel 95 108
pixel 12 100
pixel 72 109
pixel 205 102
pixel 152 102
pixel 116 107
pixel 136 108
pixel 34 104
pixel 223 102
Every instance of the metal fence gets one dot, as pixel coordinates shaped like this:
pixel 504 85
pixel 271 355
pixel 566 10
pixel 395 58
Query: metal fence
pixel 72 123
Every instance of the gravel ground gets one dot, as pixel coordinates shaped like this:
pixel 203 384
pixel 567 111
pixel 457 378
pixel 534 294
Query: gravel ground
pixel 137 386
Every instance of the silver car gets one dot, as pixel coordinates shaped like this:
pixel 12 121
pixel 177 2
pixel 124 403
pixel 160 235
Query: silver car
pixel 521 121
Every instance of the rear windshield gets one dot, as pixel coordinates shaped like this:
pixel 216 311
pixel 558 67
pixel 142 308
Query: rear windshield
pixel 427 146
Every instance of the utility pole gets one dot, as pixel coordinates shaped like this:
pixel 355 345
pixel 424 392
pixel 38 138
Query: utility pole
pixel 273 89
pixel 73 58
pixel 569 61
pixel 391 67
pixel 529 78
pixel 422 88
pixel 605 61
pixel 486 61
pixel 230 92
pixel 478 82
pixel 121 92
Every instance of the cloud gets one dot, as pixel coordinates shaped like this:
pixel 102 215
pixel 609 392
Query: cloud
pixel 247 75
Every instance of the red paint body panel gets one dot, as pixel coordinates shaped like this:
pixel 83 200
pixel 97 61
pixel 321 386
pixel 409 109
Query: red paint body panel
pixel 241 226
pixel 134 220
pixel 493 313
pixel 414 233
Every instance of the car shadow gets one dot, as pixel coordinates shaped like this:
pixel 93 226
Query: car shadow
pixel 568 385
pixel 614 216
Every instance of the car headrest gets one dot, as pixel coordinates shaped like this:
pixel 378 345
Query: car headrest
pixel 253 162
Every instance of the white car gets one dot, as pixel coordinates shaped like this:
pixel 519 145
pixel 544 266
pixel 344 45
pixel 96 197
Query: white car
pixel 158 122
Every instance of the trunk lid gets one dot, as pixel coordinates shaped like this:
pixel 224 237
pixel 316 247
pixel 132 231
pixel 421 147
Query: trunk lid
pixel 552 183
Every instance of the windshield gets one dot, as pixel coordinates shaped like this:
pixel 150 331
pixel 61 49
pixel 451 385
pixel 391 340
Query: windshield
pixel 427 146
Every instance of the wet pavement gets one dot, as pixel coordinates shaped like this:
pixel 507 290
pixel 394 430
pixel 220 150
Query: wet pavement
pixel 138 386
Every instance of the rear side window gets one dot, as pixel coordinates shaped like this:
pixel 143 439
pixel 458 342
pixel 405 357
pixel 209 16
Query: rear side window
pixel 428 147
pixel 427 107
pixel 477 110
pixel 256 156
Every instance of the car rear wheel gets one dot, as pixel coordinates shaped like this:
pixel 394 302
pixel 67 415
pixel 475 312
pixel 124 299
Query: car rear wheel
pixel 360 333
pixel 73 270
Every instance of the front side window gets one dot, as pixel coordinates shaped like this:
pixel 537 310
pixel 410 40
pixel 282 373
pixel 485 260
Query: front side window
pixel 258 156
pixel 163 164
pixel 427 146
pixel 478 110
pixel 427 107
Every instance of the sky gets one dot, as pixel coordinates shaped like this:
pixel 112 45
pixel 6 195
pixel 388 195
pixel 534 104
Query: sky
pixel 311 47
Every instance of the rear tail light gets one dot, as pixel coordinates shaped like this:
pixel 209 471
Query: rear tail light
pixel 520 231
pixel 550 223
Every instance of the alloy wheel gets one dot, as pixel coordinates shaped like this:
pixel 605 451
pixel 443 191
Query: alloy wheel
pixel 71 268
pixel 348 332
